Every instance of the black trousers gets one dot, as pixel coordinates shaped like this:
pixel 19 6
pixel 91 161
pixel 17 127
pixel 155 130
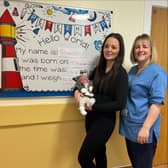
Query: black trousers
pixel 92 153
pixel 141 155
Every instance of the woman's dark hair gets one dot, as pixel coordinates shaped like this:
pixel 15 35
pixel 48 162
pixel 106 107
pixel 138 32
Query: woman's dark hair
pixel 100 70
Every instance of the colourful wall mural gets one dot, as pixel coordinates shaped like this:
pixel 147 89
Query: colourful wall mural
pixel 44 46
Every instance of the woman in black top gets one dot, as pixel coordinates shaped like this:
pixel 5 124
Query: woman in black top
pixel 110 84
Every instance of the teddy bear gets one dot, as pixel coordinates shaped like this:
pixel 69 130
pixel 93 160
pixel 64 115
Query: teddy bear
pixel 85 86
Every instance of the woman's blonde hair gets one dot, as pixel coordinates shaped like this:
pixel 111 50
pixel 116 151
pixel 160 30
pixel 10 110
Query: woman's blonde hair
pixel 153 48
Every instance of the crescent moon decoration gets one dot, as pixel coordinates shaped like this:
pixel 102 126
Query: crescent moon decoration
pixel 92 17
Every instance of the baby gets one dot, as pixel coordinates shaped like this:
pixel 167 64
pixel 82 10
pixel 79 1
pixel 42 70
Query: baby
pixel 84 85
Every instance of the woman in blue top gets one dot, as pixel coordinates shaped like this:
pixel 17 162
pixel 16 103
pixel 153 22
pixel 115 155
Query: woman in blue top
pixel 140 121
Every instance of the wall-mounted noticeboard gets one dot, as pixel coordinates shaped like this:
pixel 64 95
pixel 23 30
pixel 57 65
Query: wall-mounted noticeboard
pixel 43 46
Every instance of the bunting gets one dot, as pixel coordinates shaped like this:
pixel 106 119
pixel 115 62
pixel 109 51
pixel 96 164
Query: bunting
pixel 76 29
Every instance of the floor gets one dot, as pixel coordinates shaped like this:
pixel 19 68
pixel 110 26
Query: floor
pixel 161 166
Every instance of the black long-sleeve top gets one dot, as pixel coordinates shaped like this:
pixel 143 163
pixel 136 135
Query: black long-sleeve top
pixel 115 98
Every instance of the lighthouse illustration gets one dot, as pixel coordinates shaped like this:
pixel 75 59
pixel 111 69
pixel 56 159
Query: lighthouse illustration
pixel 10 76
